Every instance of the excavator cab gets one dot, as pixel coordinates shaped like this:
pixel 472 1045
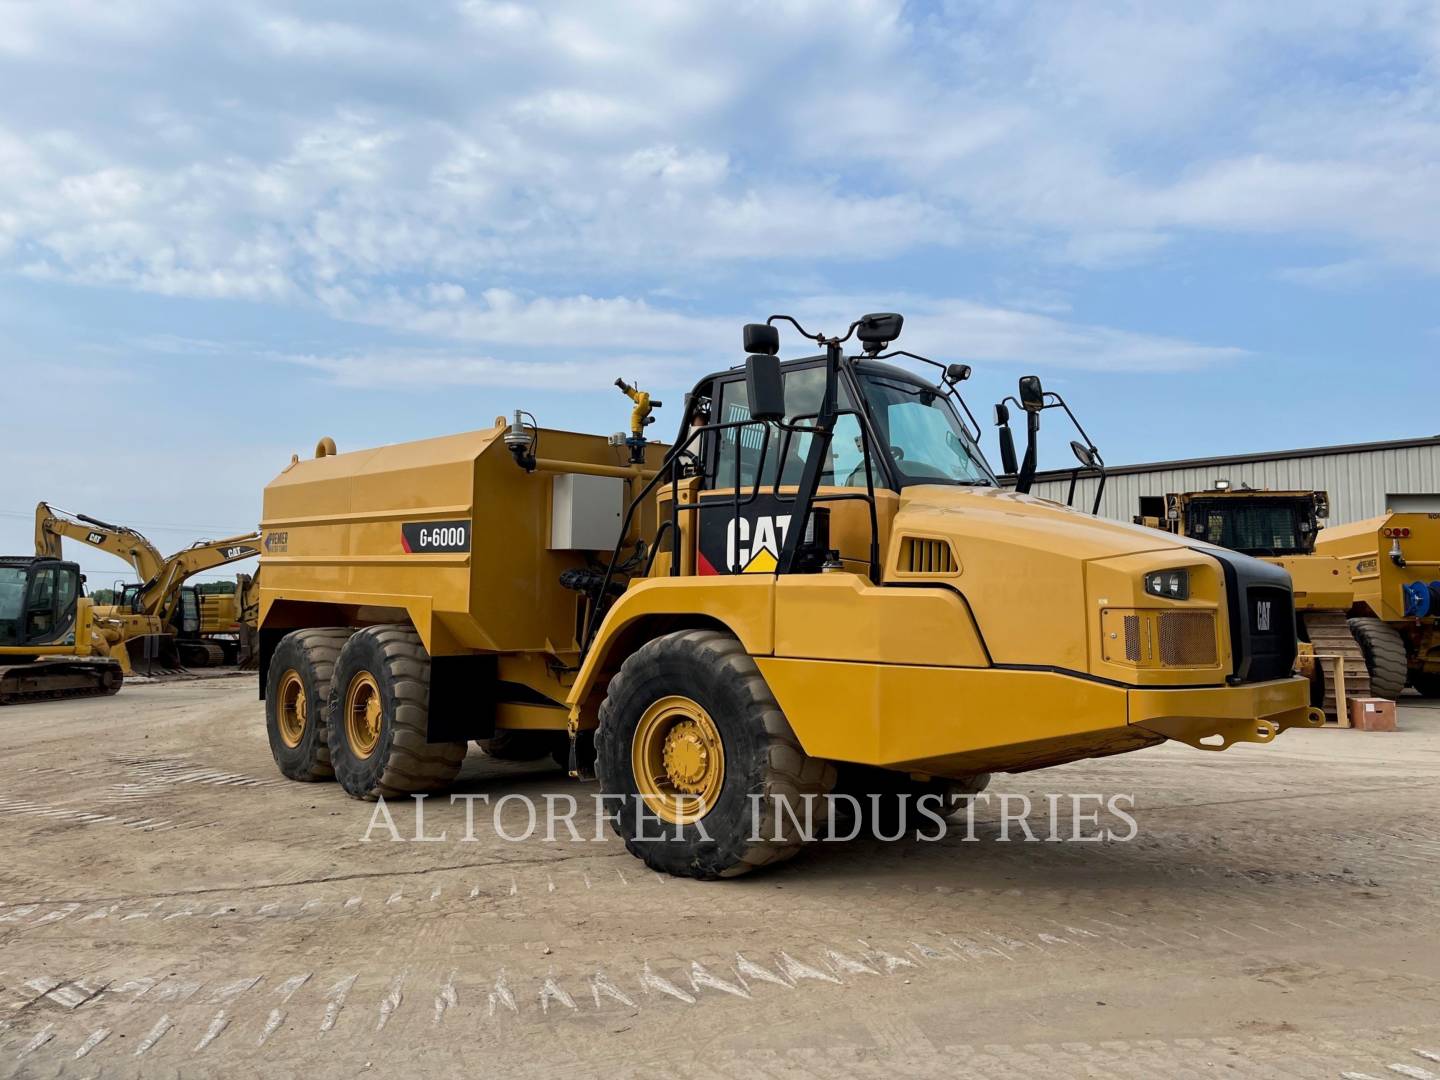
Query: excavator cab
pixel 37 601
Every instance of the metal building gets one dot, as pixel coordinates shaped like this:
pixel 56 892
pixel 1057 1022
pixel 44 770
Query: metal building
pixel 1359 477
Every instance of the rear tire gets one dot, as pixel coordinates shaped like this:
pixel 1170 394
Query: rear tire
pixel 1384 651
pixel 712 689
pixel 378 716
pixel 297 696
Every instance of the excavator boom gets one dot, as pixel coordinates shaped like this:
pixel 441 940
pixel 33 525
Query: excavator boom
pixel 161 592
pixel 150 608
pixel 51 525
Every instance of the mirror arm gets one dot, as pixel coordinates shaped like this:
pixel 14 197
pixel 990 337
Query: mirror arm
pixel 1027 467
pixel 1078 427
pixel 790 319
pixel 1099 491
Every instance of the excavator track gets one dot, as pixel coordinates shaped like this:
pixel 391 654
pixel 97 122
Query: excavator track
pixel 1329 633
pixel 202 654
pixel 50 680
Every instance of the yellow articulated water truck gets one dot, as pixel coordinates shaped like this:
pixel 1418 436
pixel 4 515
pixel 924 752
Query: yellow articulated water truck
pixel 820 585
pixel 1394 564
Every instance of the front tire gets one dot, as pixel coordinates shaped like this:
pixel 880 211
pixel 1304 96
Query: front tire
pixel 1384 651
pixel 694 752
pixel 297 697
pixel 379 712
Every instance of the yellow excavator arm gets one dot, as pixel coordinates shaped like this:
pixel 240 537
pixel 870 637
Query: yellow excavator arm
pixel 161 577
pixel 52 525
pixel 160 593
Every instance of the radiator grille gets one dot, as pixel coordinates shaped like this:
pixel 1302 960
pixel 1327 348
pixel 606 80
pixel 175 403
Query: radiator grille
pixel 1132 638
pixel 919 556
pixel 1187 639
pixel 1148 638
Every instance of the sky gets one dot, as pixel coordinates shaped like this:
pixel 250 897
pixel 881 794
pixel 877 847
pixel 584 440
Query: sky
pixel 228 229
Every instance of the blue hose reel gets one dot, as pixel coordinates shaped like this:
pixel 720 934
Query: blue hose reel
pixel 1421 599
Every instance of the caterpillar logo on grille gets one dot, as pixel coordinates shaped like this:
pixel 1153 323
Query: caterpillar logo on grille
pixel 1262 616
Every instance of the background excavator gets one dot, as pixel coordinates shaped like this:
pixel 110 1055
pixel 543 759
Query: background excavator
pixel 52 644
pixel 1281 527
pixel 160 604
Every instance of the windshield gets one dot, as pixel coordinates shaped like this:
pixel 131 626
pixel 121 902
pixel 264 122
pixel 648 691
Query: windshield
pixel 12 603
pixel 925 437
pixel 1253 527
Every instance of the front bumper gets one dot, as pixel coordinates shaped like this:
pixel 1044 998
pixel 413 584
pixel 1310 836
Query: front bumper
pixel 957 721
pixel 1214 719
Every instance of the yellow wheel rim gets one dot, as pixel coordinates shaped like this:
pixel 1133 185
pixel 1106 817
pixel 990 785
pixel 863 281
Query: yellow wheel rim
pixel 363 714
pixel 678 760
pixel 292 709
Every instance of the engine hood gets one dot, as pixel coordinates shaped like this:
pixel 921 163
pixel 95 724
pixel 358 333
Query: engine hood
pixel 1027 521
pixel 1037 575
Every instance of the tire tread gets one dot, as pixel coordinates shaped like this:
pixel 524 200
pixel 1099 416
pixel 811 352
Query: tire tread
pixel 1384 651
pixel 788 770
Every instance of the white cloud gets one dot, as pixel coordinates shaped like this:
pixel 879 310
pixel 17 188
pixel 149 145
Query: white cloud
pixel 358 165
pixel 582 342
pixel 948 329
pixel 425 371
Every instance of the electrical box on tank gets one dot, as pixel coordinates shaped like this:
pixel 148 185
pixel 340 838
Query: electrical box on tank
pixel 585 512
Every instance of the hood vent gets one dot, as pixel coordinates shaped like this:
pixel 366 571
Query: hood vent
pixel 921 556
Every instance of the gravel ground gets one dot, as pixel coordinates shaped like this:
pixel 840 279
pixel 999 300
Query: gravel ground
pixel 170 906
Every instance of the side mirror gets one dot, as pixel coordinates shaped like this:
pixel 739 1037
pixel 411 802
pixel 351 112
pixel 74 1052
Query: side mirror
pixel 1083 454
pixel 878 330
pixel 765 386
pixel 1008 465
pixel 1032 394
pixel 957 373
pixel 762 338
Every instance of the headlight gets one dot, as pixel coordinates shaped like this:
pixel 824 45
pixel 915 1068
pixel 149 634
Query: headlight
pixel 1171 584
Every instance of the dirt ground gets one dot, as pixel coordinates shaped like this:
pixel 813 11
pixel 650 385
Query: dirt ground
pixel 170 906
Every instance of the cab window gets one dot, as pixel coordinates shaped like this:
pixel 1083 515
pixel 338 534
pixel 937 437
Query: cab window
pixel 67 588
pixel 12 603
pixel 803 390
pixel 40 610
